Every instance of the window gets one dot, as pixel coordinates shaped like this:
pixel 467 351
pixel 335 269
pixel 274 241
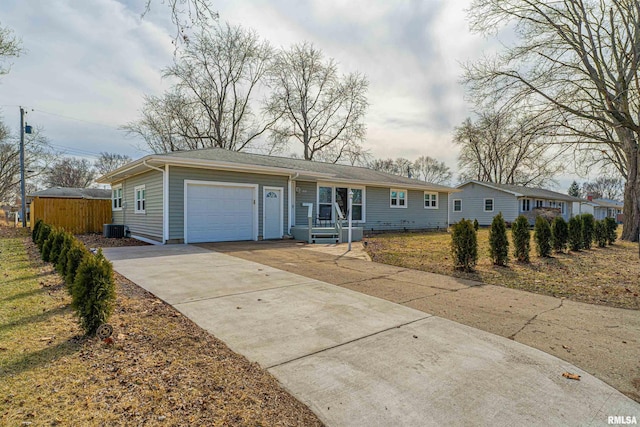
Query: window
pixel 116 198
pixel 457 205
pixel 356 205
pixel 328 195
pixel 539 203
pixel 562 206
pixel 325 202
pixel 430 200
pixel 526 205
pixel 140 197
pixel 488 205
pixel 398 198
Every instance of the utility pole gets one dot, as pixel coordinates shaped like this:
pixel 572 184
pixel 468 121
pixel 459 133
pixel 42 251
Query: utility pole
pixel 22 191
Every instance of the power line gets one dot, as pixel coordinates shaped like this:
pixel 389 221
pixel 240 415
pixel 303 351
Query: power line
pixel 76 119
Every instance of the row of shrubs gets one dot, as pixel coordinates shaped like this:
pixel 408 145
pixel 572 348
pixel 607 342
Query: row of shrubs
pixel 88 276
pixel 579 233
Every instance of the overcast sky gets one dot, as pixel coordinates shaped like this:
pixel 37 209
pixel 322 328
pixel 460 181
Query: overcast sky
pixel 88 63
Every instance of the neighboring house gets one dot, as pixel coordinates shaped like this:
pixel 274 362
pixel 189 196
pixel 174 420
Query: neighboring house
pixel 219 195
pixel 77 210
pixel 607 208
pixel 483 200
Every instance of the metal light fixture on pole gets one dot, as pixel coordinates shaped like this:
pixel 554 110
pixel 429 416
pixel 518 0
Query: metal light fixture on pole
pixel 350 206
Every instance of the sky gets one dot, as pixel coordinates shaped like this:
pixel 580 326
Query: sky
pixel 88 64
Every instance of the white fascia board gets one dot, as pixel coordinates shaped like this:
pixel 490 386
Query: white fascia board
pixel 488 185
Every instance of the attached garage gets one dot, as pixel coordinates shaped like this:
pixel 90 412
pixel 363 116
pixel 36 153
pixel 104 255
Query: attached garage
pixel 220 211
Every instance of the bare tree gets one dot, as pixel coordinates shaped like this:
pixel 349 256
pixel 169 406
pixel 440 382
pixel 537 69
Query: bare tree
pixel 108 162
pixel 608 187
pixel 384 165
pixel 185 15
pixel 503 148
pixel 71 172
pixel 9 47
pixel 431 170
pixel 211 104
pixel 579 59
pixel 38 156
pixel 314 105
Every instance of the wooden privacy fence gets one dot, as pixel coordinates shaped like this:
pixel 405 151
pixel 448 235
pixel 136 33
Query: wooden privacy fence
pixel 77 216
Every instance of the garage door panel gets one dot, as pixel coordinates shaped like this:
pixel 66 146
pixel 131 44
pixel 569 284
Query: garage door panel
pixel 217 213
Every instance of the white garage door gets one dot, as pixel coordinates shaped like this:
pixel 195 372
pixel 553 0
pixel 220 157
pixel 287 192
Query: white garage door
pixel 219 213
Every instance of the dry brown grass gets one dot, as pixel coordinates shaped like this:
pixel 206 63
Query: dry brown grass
pixel 158 369
pixel 608 276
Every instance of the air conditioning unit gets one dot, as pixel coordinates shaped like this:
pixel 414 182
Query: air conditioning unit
pixel 113 231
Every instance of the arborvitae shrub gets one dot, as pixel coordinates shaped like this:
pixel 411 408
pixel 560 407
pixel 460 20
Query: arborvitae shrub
pixel 612 227
pixel 93 292
pixel 46 246
pixel 498 241
pixel 575 233
pixel 464 245
pixel 61 262
pixel 588 224
pixel 43 235
pixel 600 233
pixel 476 225
pixel 75 254
pixel 559 234
pixel 521 239
pixel 543 237
pixel 36 228
pixel 56 246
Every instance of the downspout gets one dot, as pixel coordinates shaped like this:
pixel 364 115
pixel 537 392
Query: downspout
pixel 291 201
pixel 165 199
pixel 448 210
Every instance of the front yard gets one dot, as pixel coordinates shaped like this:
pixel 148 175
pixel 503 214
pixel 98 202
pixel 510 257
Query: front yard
pixel 608 276
pixel 157 369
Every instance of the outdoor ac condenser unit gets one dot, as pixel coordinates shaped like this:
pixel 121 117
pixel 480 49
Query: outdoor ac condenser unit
pixel 113 231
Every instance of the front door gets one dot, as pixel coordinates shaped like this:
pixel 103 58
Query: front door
pixel 342 199
pixel 272 213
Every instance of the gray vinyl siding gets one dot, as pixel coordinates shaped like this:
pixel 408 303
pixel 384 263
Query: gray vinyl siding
pixel 306 194
pixel 380 215
pixel 473 197
pixel 148 224
pixel 177 176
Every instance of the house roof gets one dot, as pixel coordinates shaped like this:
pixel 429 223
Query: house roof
pixel 72 193
pixel 218 158
pixel 528 192
pixel 608 203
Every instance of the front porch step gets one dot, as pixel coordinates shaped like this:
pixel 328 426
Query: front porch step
pixel 324 240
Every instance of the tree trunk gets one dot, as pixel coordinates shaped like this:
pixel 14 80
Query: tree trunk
pixel 631 223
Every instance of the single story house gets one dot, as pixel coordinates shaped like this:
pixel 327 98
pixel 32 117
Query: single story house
pixel 484 200
pixel 607 208
pixel 213 194
pixel 77 210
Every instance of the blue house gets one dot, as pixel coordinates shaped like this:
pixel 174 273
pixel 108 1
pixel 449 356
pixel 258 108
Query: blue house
pixel 213 195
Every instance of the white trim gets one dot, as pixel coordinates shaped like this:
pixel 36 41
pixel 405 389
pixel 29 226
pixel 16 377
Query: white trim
pixel 453 206
pixel 135 199
pixel 484 204
pixel 255 187
pixel 165 204
pixel 349 187
pixel 114 188
pixel 406 198
pixel 431 193
pixel 265 189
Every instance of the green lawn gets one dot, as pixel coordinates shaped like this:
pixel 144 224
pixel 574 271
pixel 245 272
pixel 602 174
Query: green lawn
pixel 608 276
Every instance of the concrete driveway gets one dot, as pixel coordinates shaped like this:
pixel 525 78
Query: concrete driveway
pixel 360 360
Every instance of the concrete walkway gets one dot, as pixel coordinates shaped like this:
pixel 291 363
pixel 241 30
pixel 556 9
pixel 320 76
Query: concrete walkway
pixel 360 360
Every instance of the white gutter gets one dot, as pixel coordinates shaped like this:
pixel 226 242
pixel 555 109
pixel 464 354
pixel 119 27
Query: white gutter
pixel 165 199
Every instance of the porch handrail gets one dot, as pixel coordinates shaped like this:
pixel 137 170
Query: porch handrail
pixel 339 219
